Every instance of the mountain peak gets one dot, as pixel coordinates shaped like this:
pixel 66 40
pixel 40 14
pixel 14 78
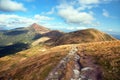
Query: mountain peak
pixel 38 28
pixel 35 24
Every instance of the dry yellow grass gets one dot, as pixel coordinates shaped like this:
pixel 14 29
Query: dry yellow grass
pixel 41 40
pixel 35 64
pixel 11 60
pixel 107 55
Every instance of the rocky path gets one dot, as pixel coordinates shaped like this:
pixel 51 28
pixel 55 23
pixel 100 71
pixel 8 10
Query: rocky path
pixel 82 67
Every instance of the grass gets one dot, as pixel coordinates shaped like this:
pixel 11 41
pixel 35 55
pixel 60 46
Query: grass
pixel 34 67
pixel 7 61
pixel 38 63
pixel 107 55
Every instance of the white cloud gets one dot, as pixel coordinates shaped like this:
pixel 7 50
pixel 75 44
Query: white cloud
pixel 110 30
pixel 78 12
pixel 83 7
pixel 13 21
pixel 39 17
pixel 78 28
pixel 105 13
pixel 70 28
pixel 9 5
pixel 93 2
pixel 52 11
pixel 84 2
pixel 75 28
pixel 72 15
pixel 96 24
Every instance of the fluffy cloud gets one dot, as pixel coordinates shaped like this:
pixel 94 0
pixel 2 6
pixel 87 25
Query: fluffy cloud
pixel 39 17
pixel 9 5
pixel 105 13
pixel 80 11
pixel 72 15
pixel 52 11
pixel 89 1
pixel 13 21
pixel 75 28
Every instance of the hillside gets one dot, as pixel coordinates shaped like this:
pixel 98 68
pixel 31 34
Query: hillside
pixel 15 40
pixel 18 39
pixel 103 59
pixel 83 36
pixel 54 35
pixel 22 35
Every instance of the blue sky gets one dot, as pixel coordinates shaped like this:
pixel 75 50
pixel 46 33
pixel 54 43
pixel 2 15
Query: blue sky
pixel 66 15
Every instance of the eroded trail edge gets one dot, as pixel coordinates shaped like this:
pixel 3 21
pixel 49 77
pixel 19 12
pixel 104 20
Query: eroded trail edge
pixel 75 66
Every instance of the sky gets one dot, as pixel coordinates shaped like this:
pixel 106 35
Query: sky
pixel 65 15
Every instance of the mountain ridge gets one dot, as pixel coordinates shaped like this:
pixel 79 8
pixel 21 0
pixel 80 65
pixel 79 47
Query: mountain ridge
pixel 86 35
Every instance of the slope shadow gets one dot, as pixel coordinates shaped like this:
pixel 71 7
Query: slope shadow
pixel 12 49
pixel 37 36
pixel 13 33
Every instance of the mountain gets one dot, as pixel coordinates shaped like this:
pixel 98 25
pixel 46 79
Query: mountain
pixel 97 61
pixel 86 54
pixel 48 38
pixel 2 28
pixel 36 35
pixel 23 35
pixel 83 36
pixel 39 29
pixel 54 35
pixel 15 40
pixel 117 36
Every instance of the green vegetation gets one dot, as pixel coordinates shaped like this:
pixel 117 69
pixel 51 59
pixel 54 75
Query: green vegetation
pixel 10 37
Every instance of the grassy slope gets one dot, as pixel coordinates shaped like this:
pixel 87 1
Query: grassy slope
pixel 23 35
pixel 83 36
pixel 10 60
pixel 107 55
pixel 25 66
pixel 36 67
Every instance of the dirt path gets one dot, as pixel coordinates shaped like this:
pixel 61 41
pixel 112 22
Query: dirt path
pixel 82 68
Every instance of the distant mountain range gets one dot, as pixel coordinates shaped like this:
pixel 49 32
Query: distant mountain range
pixel 117 36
